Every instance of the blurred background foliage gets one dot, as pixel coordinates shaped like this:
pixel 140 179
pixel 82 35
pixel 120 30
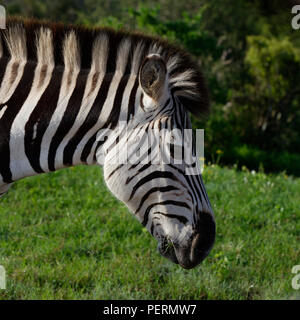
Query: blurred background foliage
pixel 250 56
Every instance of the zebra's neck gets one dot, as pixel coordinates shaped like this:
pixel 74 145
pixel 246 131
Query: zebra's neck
pixel 53 123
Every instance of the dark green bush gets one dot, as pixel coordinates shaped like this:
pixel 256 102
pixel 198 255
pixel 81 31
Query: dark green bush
pixel 256 159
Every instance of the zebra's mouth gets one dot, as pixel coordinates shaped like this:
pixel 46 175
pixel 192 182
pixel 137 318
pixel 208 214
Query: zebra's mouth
pixel 167 250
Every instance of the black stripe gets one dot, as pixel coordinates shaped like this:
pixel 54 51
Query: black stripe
pixel 14 105
pixel 142 103
pixel 41 117
pixel 68 119
pixel 87 148
pixel 115 170
pixel 143 168
pixel 3 65
pixel 150 177
pixel 164 203
pixel 131 105
pixel 93 117
pixel 155 189
pixel 152 228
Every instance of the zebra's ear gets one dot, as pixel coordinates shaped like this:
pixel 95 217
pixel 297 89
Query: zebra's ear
pixel 152 76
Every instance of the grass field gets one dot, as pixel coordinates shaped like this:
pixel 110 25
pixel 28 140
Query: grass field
pixel 64 236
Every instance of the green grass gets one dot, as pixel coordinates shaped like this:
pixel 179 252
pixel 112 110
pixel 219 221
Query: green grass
pixel 64 236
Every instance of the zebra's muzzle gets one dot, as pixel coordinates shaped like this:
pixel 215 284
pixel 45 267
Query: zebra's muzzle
pixel 200 244
pixel 197 248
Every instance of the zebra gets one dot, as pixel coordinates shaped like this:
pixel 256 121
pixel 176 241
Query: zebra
pixel 63 85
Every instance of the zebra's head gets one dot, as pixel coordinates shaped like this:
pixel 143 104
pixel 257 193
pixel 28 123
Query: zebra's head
pixel 152 175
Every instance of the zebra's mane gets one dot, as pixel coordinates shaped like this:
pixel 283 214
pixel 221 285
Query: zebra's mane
pixel 84 48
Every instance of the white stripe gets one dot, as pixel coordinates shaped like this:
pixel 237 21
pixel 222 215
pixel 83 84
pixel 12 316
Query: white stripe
pixel 16 43
pixel 71 71
pixel 23 168
pixel 15 38
pixel 2 111
pixel 7 89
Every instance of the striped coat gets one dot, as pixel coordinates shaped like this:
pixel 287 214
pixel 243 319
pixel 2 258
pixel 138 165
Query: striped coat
pixel 66 91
